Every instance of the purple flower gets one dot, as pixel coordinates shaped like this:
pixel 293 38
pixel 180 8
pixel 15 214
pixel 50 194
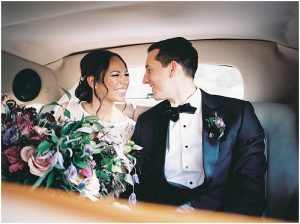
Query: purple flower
pixel 216 126
pixel 88 149
pixel 132 199
pixel 57 158
pixel 219 122
pixel 11 135
pixel 71 172
pixel 135 178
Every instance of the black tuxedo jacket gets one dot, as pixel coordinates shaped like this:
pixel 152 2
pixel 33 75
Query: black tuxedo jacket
pixel 234 165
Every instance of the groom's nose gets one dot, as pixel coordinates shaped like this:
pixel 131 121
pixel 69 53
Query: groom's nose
pixel 146 78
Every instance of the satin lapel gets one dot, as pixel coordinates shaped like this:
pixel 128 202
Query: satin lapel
pixel 211 147
pixel 161 131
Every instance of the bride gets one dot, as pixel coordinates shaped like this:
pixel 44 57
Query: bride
pixel 104 81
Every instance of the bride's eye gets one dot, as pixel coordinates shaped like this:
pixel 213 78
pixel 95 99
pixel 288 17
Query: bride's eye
pixel 115 74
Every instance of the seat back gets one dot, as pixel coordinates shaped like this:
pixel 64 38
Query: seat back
pixel 280 123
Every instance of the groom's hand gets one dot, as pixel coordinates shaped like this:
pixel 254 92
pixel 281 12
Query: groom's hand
pixel 185 208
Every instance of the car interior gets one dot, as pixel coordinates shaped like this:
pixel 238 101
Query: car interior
pixel 257 42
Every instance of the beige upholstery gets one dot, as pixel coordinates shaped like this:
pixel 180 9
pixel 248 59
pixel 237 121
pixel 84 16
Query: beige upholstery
pixel 281 128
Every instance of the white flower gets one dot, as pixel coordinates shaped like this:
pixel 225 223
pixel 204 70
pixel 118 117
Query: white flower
pixel 88 187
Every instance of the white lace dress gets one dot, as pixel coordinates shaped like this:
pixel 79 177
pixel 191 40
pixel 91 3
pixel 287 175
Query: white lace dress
pixel 119 133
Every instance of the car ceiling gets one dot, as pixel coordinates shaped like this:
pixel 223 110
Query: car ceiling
pixel 44 32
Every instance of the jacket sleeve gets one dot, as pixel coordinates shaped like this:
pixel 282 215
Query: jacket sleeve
pixel 245 191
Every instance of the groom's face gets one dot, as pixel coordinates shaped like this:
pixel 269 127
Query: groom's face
pixel 157 77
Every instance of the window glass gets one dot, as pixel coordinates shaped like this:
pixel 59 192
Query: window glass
pixel 214 79
pixel 220 80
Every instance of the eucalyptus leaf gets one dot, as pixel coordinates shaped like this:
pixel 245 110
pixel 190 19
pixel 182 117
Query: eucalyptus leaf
pixel 54 103
pixel 80 163
pixel 50 179
pixel 85 129
pixel 103 175
pixel 54 138
pixel 91 118
pixel 43 146
pixel 67 113
pixel 127 149
pixel 116 169
pixel 137 147
pixel 128 178
pixel 67 93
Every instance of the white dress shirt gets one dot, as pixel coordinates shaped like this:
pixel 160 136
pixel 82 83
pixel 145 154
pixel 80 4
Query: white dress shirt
pixel 184 156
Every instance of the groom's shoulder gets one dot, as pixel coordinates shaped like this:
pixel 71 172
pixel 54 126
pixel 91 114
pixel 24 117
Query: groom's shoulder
pixel 225 100
pixel 155 110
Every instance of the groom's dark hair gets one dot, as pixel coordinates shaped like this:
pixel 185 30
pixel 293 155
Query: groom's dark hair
pixel 177 49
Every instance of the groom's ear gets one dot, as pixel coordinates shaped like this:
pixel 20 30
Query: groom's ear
pixel 172 68
pixel 90 81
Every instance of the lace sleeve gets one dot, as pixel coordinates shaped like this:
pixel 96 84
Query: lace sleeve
pixel 128 132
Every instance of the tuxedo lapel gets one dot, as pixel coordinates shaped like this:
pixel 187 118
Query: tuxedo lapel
pixel 161 132
pixel 211 146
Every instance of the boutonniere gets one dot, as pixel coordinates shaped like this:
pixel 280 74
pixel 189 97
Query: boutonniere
pixel 216 125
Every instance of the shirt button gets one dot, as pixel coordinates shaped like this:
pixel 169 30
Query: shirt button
pixel 186 167
pixel 191 182
pixel 184 126
pixel 186 146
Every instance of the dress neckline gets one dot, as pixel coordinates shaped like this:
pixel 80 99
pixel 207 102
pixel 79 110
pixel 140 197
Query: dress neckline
pixel 85 113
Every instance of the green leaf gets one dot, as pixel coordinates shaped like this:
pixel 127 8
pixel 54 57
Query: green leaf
pixel 91 118
pixel 130 143
pixel 80 163
pixel 67 113
pixel 85 130
pixel 127 149
pixel 98 125
pixel 128 179
pixel 40 180
pixel 103 175
pixel 54 139
pixel 132 158
pixel 137 147
pixel 50 179
pixel 116 169
pixel 66 129
pixel 67 93
pixel 53 103
pixel 43 146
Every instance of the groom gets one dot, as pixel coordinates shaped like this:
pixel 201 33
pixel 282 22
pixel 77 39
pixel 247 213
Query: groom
pixel 199 150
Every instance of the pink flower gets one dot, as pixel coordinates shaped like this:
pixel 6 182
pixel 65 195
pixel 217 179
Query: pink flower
pixel 13 156
pixel 39 133
pixel 38 165
pixel 87 172
pixel 26 128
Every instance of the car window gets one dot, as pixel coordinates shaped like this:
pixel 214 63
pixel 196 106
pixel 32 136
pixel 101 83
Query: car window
pixel 215 79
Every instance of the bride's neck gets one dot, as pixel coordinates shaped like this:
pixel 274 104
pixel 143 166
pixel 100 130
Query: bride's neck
pixel 105 112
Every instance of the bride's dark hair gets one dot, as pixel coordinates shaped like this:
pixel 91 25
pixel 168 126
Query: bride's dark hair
pixel 96 64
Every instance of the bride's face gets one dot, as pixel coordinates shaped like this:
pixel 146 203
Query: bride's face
pixel 116 80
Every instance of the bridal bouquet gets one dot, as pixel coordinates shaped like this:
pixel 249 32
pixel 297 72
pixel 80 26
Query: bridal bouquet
pixel 40 150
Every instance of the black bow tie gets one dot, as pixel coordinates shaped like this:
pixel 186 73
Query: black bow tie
pixel 173 112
